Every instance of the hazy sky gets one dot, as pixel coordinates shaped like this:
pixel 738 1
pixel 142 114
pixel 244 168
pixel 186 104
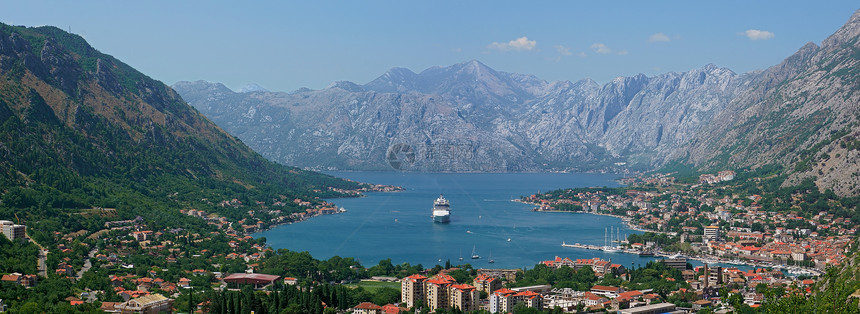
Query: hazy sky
pixel 287 45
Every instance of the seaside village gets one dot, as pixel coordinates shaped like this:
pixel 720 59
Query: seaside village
pixel 734 229
pixel 744 248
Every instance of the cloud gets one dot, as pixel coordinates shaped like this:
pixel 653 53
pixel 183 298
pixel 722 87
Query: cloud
pixel 622 52
pixel 564 51
pixel 522 43
pixel 755 34
pixel 658 37
pixel 600 48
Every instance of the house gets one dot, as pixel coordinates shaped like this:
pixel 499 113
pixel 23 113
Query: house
pixel 607 291
pixel 154 303
pixel 393 309
pixel 591 299
pixel 17 278
pixel 701 304
pixel 64 269
pixel 110 307
pixel 290 281
pixel 367 308
pixel 14 278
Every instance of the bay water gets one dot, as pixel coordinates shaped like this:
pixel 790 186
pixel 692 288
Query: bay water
pixel 484 219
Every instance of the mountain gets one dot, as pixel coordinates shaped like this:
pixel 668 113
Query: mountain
pixel 802 113
pixel 250 88
pixel 469 117
pixel 799 115
pixel 80 129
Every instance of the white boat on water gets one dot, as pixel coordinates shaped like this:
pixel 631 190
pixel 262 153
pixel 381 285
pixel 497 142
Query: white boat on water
pixel 610 249
pixel 441 210
pixel 475 255
pixel 606 247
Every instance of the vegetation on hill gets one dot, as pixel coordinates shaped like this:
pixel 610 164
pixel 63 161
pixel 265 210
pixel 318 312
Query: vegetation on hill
pixel 80 129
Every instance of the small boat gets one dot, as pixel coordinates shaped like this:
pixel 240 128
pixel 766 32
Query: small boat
pixel 475 255
pixel 491 258
pixel 461 254
pixel 468 231
pixel 509 239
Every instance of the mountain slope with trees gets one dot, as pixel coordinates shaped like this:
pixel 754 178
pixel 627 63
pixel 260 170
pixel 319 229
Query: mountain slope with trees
pixel 80 129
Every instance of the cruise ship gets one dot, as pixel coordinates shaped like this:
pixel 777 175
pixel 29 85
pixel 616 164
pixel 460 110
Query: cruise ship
pixel 441 210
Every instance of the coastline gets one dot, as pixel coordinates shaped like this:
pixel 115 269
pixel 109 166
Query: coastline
pixel 707 259
pixel 627 220
pixel 340 210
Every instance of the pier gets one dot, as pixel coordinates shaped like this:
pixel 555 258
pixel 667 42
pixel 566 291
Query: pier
pixel 582 246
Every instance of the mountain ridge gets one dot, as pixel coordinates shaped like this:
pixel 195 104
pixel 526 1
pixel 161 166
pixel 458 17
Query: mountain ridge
pixel 80 129
pixel 709 118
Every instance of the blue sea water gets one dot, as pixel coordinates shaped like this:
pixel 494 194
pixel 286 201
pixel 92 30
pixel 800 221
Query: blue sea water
pixel 398 225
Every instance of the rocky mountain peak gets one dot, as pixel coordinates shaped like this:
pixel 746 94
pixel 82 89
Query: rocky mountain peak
pixel 848 32
pixel 252 87
pixel 347 86
pixel 394 80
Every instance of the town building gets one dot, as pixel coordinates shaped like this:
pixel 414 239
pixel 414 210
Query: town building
pixel 258 280
pixel 677 263
pixel 436 292
pixel 607 291
pixel 366 308
pixel 712 233
pixel 13 231
pixel 486 283
pixel 650 309
pixel 504 300
pixel 153 303
pixel 508 274
pixel 464 297
pixel 412 290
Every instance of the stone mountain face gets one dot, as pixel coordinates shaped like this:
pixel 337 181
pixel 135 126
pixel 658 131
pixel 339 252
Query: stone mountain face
pixel 800 114
pixel 469 117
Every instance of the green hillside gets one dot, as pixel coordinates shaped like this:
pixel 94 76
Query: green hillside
pixel 80 129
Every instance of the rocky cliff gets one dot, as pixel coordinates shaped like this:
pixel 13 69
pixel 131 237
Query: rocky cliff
pixel 468 117
pixel 800 114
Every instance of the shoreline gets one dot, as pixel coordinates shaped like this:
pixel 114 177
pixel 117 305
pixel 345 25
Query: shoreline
pixel 627 220
pixel 340 210
pixel 708 259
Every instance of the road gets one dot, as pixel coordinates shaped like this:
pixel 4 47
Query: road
pixel 87 263
pixel 42 261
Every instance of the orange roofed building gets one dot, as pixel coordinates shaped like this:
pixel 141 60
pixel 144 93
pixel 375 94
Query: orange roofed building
pixel 412 290
pixel 504 300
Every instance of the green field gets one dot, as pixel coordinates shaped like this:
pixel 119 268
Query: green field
pixel 375 285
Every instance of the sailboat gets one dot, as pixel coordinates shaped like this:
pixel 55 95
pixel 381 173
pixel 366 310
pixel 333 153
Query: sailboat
pixel 475 255
pixel 491 258
pixel 461 254
pixel 606 247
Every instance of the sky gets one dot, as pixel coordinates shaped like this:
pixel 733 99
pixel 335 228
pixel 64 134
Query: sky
pixel 287 45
